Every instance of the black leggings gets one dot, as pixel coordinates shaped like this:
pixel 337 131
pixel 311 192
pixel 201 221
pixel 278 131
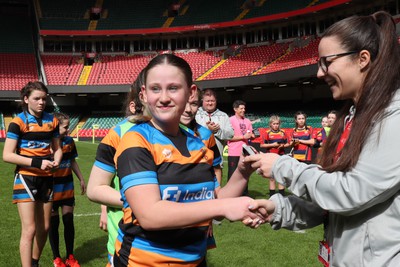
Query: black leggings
pixel 69 234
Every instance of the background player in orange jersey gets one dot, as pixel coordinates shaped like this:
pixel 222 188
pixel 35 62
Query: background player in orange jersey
pixel 63 196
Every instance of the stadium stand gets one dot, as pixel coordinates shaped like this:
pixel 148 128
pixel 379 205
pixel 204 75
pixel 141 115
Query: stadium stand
pixel 104 123
pixel 265 8
pixel 119 69
pixel 125 14
pixel 17 61
pixel 62 69
pixel 299 56
pixel 201 61
pixel 249 60
pixel 67 15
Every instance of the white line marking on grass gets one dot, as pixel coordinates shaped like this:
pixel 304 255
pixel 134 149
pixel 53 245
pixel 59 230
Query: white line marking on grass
pixel 87 214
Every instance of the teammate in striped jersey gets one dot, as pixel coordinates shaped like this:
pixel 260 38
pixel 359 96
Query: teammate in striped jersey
pixel 303 138
pixel 275 141
pixel 63 196
pixel 31 136
pixel 103 186
pixel 168 185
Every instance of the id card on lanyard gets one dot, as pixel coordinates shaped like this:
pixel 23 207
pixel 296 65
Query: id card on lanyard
pixel 324 253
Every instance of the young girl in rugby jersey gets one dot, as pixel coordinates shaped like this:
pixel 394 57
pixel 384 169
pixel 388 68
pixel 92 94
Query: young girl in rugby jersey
pixel 303 138
pixel 188 122
pixel 168 183
pixel 63 196
pixel 103 185
pixel 275 141
pixel 31 136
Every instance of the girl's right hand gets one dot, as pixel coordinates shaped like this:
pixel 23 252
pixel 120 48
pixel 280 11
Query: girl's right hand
pixel 240 208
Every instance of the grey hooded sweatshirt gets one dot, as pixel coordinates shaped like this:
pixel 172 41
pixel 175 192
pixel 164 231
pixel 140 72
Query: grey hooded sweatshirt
pixel 363 203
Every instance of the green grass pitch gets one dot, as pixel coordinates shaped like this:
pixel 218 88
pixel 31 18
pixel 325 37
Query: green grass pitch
pixel 236 245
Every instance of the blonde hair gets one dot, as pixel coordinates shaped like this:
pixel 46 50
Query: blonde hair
pixel 274 118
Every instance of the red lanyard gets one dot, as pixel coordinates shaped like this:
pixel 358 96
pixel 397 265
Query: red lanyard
pixel 324 254
pixel 343 139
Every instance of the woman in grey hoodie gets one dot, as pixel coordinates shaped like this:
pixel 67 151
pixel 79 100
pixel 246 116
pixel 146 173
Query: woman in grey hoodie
pixel 355 189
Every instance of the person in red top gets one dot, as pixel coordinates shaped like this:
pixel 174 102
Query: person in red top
pixel 275 141
pixel 303 138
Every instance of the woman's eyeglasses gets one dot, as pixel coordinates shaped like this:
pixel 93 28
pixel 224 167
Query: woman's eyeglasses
pixel 324 64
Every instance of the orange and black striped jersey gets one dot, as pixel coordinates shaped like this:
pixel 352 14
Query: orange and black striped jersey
pixel 208 139
pixel 63 179
pixel 34 136
pixel 182 168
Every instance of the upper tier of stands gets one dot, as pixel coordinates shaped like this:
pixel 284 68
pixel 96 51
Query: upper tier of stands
pixel 65 15
pixel 207 11
pixel 126 14
pixel 265 8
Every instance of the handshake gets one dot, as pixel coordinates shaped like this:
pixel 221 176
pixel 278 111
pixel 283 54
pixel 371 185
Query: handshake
pixel 252 212
pixel 263 209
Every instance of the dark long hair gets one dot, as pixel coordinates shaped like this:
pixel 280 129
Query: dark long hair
pixel 134 95
pixel 305 119
pixel 193 124
pixel 27 90
pixel 376 34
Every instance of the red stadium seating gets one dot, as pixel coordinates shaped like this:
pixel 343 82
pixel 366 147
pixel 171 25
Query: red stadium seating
pixel 62 69
pixel 200 62
pixel 248 61
pixel 16 70
pixel 296 58
pixel 117 69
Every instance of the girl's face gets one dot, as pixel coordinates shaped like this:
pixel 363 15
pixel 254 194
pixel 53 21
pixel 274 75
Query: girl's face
pixel 275 125
pixel 331 119
pixel 190 110
pixel 324 122
pixel 300 121
pixel 36 102
pixel 166 94
pixel 64 127
pixel 344 74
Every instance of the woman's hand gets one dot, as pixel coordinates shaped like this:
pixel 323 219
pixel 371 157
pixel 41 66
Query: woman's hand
pixel 241 209
pixel 262 163
pixel 264 209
